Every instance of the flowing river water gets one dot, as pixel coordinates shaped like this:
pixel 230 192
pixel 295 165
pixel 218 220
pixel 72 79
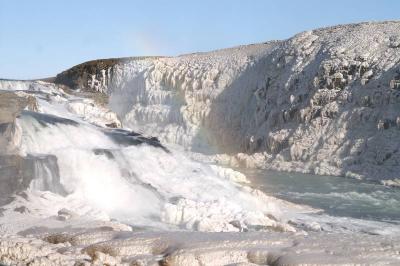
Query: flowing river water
pixel 336 196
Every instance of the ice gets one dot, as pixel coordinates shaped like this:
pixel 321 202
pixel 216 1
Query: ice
pixel 176 190
pixel 122 175
pixel 267 105
pixel 105 246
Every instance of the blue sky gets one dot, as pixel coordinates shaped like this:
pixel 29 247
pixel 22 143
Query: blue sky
pixel 39 38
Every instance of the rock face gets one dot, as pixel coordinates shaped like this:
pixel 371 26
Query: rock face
pixel 15 171
pixel 325 101
pixel 93 76
pixel 11 105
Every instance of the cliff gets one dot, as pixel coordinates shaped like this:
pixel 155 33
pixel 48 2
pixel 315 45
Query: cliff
pixel 325 101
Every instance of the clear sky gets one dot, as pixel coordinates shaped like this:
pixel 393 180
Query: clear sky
pixel 39 38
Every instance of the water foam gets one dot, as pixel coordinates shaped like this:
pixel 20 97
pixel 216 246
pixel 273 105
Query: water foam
pixel 142 184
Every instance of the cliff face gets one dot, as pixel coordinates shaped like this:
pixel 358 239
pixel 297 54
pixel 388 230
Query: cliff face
pixel 325 101
pixel 93 76
pixel 11 105
pixel 16 171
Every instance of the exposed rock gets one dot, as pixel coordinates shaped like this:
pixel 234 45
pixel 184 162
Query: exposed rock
pixel 94 75
pixel 65 214
pixel 18 171
pixel 11 105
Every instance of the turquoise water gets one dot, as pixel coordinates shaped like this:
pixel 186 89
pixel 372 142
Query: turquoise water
pixel 337 196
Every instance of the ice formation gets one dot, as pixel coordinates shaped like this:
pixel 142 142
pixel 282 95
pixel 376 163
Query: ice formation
pixel 325 101
pixel 127 176
pixel 104 246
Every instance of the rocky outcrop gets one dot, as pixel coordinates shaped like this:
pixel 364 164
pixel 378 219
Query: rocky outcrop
pixel 93 76
pixel 11 105
pixel 17 170
pixel 325 101
pixel 10 136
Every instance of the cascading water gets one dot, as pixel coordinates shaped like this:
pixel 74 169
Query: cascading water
pixel 136 179
pixel 71 160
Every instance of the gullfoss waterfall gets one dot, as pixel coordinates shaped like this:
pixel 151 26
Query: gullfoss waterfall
pixel 115 173
pixel 146 161
pixel 123 175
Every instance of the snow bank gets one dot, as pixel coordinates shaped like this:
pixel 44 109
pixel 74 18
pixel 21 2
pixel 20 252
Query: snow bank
pixel 101 246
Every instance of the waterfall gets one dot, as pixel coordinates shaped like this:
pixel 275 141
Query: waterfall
pixel 134 178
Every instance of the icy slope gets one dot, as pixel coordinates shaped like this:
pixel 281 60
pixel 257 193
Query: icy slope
pixel 325 101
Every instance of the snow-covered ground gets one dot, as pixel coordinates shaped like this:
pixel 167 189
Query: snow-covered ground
pixel 107 246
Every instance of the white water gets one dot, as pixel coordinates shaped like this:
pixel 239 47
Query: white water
pixel 335 195
pixel 108 173
pixel 114 174
pixel 140 184
pixel 106 176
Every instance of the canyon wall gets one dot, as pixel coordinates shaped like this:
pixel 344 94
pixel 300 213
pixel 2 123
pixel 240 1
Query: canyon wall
pixel 325 101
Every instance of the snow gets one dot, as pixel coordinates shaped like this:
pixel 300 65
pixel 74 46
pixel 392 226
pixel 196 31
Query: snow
pixel 266 105
pixel 115 247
